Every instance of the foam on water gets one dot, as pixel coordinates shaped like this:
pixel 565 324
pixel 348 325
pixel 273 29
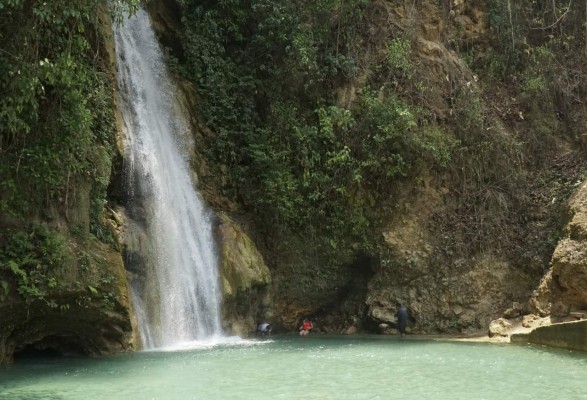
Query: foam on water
pixel 217 341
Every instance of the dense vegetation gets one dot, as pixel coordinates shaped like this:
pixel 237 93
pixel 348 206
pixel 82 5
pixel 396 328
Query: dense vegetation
pixel 326 113
pixel 301 157
pixel 56 134
pixel 323 113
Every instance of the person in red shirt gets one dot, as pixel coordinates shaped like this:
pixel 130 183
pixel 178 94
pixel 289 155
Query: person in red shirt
pixel 306 327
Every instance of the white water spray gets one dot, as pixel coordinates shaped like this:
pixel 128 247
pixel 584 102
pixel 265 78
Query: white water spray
pixel 176 295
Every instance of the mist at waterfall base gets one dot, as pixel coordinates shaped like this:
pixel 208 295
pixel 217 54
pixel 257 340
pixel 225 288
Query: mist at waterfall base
pixel 175 288
pixel 313 367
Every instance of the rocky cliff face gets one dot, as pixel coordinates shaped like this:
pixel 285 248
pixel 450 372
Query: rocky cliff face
pixel 88 312
pixel 460 246
pixel 245 280
pixel 563 290
pixel 63 290
pixel 76 303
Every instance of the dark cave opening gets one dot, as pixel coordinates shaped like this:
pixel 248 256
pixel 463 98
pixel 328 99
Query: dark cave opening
pixel 349 302
pixel 49 347
pixel 31 352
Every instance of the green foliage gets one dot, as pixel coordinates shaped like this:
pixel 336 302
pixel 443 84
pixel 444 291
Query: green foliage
pixel 391 126
pixel 535 84
pixel 504 18
pixel 28 260
pixel 528 30
pixel 4 290
pixel 102 293
pixel 539 88
pixel 436 144
pixel 267 71
pixel 534 77
pixel 398 56
pixel 64 307
pixel 56 118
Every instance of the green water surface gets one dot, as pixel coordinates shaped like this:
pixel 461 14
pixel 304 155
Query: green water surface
pixel 309 368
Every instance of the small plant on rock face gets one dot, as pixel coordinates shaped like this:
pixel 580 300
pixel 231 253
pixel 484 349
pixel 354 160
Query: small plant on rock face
pixel 83 301
pixel 27 261
pixel 398 56
pixel 108 300
pixel 4 290
pixel 52 283
pixel 534 80
pixel 107 280
pixel 534 84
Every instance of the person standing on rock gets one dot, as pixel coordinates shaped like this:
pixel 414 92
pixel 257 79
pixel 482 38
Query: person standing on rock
pixel 402 319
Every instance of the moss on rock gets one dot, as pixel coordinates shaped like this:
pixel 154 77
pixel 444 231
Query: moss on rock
pixel 245 278
pixel 85 311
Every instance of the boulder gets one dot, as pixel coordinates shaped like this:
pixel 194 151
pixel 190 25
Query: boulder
pixel 533 321
pixel 514 311
pixel 499 327
pixel 382 314
pixel 569 261
pixel 569 270
pixel 564 287
pixel 351 330
pixel 540 302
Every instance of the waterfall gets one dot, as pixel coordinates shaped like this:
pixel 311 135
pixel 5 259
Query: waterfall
pixel 176 294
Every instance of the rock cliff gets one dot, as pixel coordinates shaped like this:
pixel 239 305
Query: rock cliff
pixel 63 286
pixel 563 290
pixel 459 246
pixel 489 221
pixel 88 312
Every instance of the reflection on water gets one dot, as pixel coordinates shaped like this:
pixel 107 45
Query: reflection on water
pixel 309 368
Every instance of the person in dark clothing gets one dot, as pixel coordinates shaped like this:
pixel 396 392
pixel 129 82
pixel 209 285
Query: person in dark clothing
pixel 264 329
pixel 402 319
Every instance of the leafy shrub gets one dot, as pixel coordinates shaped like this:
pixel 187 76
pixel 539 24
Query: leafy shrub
pixel 56 119
pixel 28 260
pixel 398 56
pixel 267 71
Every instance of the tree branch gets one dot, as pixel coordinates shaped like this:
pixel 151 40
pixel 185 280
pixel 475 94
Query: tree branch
pixel 558 20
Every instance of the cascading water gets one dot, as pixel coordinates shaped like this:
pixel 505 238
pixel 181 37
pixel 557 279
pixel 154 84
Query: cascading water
pixel 176 296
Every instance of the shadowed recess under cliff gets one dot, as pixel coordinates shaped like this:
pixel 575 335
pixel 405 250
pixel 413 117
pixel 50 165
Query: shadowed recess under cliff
pixel 175 283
